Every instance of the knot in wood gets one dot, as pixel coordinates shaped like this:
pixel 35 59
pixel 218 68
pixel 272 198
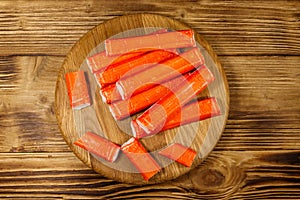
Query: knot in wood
pixel 43 99
pixel 209 178
pixel 212 178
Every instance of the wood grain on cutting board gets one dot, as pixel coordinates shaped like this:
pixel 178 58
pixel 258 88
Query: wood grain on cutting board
pixel 201 136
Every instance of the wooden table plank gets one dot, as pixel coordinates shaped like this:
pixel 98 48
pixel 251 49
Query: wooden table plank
pixel 224 174
pixel 260 115
pixel 231 27
pixel 258 156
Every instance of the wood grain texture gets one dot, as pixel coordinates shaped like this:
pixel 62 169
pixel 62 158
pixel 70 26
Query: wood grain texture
pixel 226 174
pixel 251 125
pixel 258 154
pixel 232 27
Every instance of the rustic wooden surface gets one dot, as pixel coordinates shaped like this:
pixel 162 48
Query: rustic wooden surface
pixel 258 154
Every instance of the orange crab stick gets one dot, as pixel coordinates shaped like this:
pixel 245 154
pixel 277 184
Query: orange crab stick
pixel 77 89
pixel 140 158
pixel 109 94
pixel 111 75
pixel 191 112
pixel 100 61
pixel 162 72
pixel 99 146
pixel 179 153
pixel 143 100
pixel 153 119
pixel 169 40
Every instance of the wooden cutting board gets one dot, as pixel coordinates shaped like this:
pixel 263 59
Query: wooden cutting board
pixel 201 136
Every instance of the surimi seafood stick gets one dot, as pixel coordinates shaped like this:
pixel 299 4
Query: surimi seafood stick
pixel 169 40
pixel 143 100
pixel 110 94
pixel 179 153
pixel 100 61
pixel 77 90
pixel 162 72
pixel 191 112
pixel 153 119
pixel 99 146
pixel 111 75
pixel 140 158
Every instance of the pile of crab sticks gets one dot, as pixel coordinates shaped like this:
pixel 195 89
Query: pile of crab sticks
pixel 156 77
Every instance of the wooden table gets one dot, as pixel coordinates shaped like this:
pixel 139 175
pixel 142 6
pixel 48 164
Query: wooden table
pixel 258 156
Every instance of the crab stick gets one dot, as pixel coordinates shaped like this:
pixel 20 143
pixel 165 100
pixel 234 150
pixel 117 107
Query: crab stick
pixel 169 40
pixel 144 99
pixel 109 94
pixel 153 119
pixel 191 112
pixel 100 61
pixel 179 153
pixel 161 72
pixel 111 75
pixel 99 146
pixel 77 89
pixel 140 158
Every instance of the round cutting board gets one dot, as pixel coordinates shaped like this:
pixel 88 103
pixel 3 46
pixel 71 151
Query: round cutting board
pixel 201 136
